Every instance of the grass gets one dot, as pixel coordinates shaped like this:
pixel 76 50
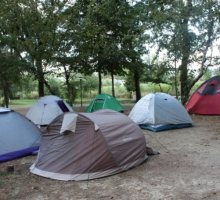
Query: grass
pixel 27 102
pixel 31 102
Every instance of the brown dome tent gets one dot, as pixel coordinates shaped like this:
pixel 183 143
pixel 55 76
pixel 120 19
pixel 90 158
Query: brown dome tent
pixel 82 146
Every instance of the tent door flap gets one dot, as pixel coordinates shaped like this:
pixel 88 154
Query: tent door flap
pixel 98 104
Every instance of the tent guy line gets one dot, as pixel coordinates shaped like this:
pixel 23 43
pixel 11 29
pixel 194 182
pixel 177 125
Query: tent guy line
pixel 148 132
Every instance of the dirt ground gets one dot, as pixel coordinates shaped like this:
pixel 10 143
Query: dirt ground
pixel 187 168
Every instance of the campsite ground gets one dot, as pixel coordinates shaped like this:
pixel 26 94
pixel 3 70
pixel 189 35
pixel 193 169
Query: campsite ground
pixel 187 168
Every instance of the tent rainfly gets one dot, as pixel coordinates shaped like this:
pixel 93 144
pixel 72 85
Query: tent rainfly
pixel 46 109
pixel 160 111
pixel 19 136
pixel 104 101
pixel 82 146
pixel 206 99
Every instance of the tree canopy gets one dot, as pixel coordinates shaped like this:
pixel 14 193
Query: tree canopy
pixel 108 37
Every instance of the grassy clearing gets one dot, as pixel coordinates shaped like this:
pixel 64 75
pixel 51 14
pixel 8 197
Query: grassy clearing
pixel 26 102
pixel 31 102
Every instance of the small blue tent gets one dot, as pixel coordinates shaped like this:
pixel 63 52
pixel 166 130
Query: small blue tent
pixel 19 136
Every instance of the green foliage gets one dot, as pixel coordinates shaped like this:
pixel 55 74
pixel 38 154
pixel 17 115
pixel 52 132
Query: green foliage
pixel 195 87
pixel 152 88
pixel 207 75
pixel 73 86
pixel 26 89
pixel 107 82
pixel 129 83
pixel 158 74
pixel 216 71
pixel 30 95
pixel 107 90
pixel 186 30
pixel 90 83
pixel 56 85
pixel 156 71
pixel 43 38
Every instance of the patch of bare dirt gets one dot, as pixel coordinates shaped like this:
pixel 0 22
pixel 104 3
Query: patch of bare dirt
pixel 187 168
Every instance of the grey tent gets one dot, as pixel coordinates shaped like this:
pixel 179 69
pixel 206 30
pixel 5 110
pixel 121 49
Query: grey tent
pixel 82 146
pixel 46 109
pixel 160 111
pixel 19 136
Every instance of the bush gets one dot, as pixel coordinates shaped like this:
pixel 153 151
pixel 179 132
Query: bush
pixel 31 95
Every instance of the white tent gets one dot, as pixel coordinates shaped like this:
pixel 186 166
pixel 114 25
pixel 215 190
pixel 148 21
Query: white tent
pixel 160 111
pixel 46 109
pixel 18 137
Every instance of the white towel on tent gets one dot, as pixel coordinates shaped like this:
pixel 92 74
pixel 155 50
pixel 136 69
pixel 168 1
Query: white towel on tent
pixel 69 122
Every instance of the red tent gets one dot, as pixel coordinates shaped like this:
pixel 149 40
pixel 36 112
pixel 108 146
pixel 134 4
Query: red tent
pixel 206 99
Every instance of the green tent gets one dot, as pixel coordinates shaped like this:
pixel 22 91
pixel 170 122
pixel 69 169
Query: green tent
pixel 104 101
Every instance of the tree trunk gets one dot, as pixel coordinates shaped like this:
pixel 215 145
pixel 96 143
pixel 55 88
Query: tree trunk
pixel 70 91
pixel 183 80
pixel 184 89
pixel 113 85
pixel 69 86
pixel 100 80
pixel 137 84
pixel 40 88
pixel 40 78
pixel 48 87
pixel 5 91
pixel 136 76
pixel 208 45
pixel 6 99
